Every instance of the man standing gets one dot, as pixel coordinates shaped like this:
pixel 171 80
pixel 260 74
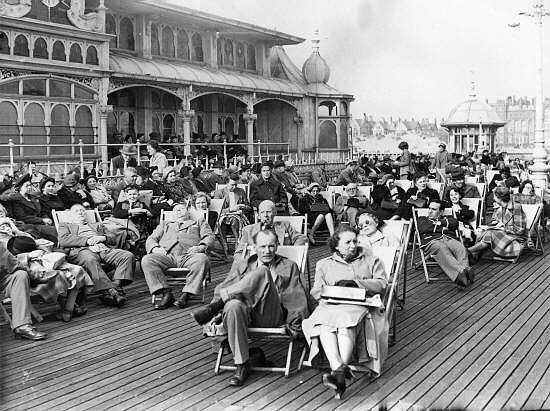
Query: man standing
pixel 440 241
pixel 126 158
pixel 262 291
pixel 442 158
pixel 268 188
pixel 180 243
pixel 89 245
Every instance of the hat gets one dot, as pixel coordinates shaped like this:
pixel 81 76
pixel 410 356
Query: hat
pixel 353 202
pixel 167 171
pixel 279 163
pixel 245 167
pixel 129 150
pixel 442 145
pixel 46 180
pixel 457 175
pixel 70 180
pixel 387 157
pixel 312 185
pixel 351 161
pixel 22 180
pixel 21 244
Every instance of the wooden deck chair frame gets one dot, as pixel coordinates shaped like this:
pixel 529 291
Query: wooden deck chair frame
pixel 336 190
pixel 404 184
pixel 329 196
pixel 425 260
pixel 439 187
pixel 297 222
pixel 92 216
pixel 390 257
pixel 471 179
pixel 298 254
pixel 533 212
pixel 401 229
pixel 365 191
pixel 440 175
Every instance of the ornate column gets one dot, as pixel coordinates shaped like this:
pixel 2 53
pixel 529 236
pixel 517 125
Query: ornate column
pixel 187 116
pixel 299 121
pixel 249 119
pixel 103 114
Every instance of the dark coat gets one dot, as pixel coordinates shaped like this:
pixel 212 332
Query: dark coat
pixel 70 197
pixel 267 190
pixel 49 203
pixel 429 230
pixel 27 211
pixel 428 194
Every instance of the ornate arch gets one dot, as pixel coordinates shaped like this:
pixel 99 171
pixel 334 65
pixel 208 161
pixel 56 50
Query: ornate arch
pixel 195 96
pixel 114 87
pixel 256 102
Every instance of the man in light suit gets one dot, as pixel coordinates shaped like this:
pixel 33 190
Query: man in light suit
pixel 182 243
pixel 286 235
pixel 89 246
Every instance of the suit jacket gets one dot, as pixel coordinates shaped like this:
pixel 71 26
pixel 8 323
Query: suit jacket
pixel 240 198
pixel 69 239
pixel 27 211
pixel 430 230
pixel 176 237
pixel 285 234
pixel 70 197
pixel 267 190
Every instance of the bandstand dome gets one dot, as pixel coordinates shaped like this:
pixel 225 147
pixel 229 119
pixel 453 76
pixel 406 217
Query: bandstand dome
pixel 472 112
pixel 316 69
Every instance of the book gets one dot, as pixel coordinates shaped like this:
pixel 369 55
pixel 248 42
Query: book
pixel 343 293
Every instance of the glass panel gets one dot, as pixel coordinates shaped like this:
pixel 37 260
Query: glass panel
pixel 168 101
pixel 156 124
pixel 21 47
pixel 82 93
pixel 10 87
pixel 155 45
pixel 228 53
pixel 60 132
pixel 196 44
pixel 4 43
pixel 168 48
pixel 58 52
pixel 84 128
pixel 40 49
pixel 75 54
pixel 251 58
pixel 219 51
pixel 8 127
pixel 327 135
pixel 155 99
pixel 60 88
pixel 240 56
pixel 34 87
pixel 34 131
pixel 183 45
pixel 91 56
pixel 168 125
pixel 126 99
pixel 126 124
pixel 126 37
pixel 110 28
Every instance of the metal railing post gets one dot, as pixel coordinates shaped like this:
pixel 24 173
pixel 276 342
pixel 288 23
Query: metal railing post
pixel 138 153
pixel 259 151
pixel 81 152
pixel 10 143
pixel 225 152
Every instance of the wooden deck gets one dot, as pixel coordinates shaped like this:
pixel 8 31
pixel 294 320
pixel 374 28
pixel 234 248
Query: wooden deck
pixel 484 348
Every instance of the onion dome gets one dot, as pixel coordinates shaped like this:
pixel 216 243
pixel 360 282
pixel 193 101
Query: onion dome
pixel 315 68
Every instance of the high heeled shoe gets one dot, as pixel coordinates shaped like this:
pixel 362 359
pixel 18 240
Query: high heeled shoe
pixel 64 315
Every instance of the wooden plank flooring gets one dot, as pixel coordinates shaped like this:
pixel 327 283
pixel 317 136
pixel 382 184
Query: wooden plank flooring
pixel 484 348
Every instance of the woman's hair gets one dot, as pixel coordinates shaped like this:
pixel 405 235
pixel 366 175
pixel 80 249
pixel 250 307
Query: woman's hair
pixel 403 145
pixel 154 144
pixel 335 238
pixel 459 192
pixel 44 181
pixel 502 193
pixel 418 176
pixel 523 184
pixel 196 171
pixel 201 194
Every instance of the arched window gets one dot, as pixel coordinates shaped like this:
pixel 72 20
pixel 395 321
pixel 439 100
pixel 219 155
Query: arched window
pixel 219 51
pixel 9 129
pixel 228 52
pixel 21 46
pixel 4 43
pixel 75 53
pixel 58 51
pixel 343 109
pixel 84 128
pixel 155 99
pixel 327 109
pixel 60 132
pixel 126 98
pixel 240 56
pixel 91 56
pixel 200 126
pixel 168 126
pixel 34 131
pixel 168 48
pixel 126 124
pixel 156 124
pixel 40 50
pixel 60 88
pixel 327 135
pixel 229 127
pixel 110 28
pixel 169 101
pixel 251 58
pixel 183 45
pixel 126 36
pixel 155 46
pixel 196 46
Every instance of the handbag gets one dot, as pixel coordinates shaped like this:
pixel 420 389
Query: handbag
pixel 319 208
pixel 419 202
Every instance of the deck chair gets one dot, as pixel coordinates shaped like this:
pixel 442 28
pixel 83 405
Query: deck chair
pixel 245 187
pixel 474 204
pixel 471 179
pixel 426 261
pixel 298 254
pixel 145 196
pixel 329 196
pixel 336 189
pixel 437 187
pixel 365 191
pixel 389 257
pixel 404 184
pixel 489 175
pixel 441 175
pixel 400 229
pixel 66 216
pixel 298 223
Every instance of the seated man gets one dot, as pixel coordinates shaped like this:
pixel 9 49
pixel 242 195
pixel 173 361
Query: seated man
pixel 467 190
pixel 439 240
pixel 71 193
pixel 15 282
pixel 286 235
pixel 88 246
pixel 180 243
pixel 351 203
pixel 261 291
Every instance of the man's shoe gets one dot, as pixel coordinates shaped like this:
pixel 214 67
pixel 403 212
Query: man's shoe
pixel 241 375
pixel 462 279
pixel 29 332
pixel 166 301
pixel 205 314
pixel 471 275
pixel 182 301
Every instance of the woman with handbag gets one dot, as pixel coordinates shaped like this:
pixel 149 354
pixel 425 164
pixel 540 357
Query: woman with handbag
pixel 464 215
pixel 317 209
pixel 419 196
pixel 386 198
pixel 339 328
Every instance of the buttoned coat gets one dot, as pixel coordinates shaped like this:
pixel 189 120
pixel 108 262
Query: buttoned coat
pixel 271 189
pixel 176 237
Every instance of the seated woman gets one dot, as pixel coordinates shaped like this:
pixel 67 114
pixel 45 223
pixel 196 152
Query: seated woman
pixel 420 195
pixel 526 194
pixel 48 198
pixel 200 209
pixel 317 209
pixel 102 199
pixel 464 215
pixel 370 234
pixel 350 204
pixel 173 188
pixel 386 198
pixel 338 328
pixel 505 235
pixel 26 208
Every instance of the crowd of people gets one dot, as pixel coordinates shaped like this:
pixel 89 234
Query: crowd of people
pixel 158 218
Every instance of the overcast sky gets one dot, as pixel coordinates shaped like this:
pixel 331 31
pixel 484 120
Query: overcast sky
pixel 408 58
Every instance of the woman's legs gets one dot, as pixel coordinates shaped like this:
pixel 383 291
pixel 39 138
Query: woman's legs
pixel 318 221
pixel 329 341
pixel 346 342
pixel 330 223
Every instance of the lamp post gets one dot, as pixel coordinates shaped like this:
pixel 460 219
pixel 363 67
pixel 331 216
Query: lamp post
pixel 539 168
